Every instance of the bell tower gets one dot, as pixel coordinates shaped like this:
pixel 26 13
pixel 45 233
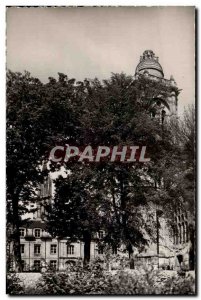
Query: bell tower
pixel 150 68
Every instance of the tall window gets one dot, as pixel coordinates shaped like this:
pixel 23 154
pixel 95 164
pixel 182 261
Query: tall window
pixel 53 264
pixel 70 249
pixel 183 233
pixel 37 233
pixel 53 249
pixel 22 248
pixel 176 235
pixel 163 114
pixel 37 265
pixel 180 235
pixel 186 227
pixel 36 249
pixel 22 232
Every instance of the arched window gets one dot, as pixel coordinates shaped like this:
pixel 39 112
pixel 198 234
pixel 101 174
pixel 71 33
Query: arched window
pixel 163 114
pixel 183 235
pixel 179 233
pixel 186 231
pixel 176 235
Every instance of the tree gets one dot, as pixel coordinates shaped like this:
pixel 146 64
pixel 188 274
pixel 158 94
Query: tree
pixel 75 211
pixel 115 112
pixel 35 121
pixel 24 148
pixel 179 174
pixel 183 189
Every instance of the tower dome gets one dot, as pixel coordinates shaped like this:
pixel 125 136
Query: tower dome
pixel 149 64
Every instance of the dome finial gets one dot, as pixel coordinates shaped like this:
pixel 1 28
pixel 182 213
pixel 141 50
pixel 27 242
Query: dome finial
pixel 148 54
pixel 149 62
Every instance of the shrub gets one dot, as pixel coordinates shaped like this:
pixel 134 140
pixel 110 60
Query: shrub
pixel 179 285
pixel 13 285
pixel 93 279
pixel 78 281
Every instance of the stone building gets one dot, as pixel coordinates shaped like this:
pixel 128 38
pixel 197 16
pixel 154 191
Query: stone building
pixel 174 246
pixel 39 251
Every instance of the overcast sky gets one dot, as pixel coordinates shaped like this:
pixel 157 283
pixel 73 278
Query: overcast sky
pixel 93 42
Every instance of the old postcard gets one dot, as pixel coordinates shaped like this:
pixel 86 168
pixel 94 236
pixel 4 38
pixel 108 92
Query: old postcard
pixel 101 153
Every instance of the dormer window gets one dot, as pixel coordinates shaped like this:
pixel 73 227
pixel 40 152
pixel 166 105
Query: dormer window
pixel 37 233
pixel 22 232
pixel 101 234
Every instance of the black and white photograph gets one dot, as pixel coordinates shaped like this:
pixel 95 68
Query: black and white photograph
pixel 101 150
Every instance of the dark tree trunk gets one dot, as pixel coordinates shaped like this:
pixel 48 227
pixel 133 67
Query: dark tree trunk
pixel 131 256
pixel 126 234
pixel 192 250
pixel 16 236
pixel 87 247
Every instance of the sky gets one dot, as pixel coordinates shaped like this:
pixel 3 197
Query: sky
pixel 88 42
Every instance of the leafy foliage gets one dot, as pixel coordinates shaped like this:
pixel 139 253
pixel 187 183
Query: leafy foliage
pixel 13 285
pixel 35 118
pixel 94 280
pixel 109 195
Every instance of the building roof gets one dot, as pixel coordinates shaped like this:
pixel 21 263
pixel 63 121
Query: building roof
pixel 149 63
pixel 35 224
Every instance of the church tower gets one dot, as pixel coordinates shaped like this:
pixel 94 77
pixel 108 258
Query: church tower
pixel 150 67
pixel 44 197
